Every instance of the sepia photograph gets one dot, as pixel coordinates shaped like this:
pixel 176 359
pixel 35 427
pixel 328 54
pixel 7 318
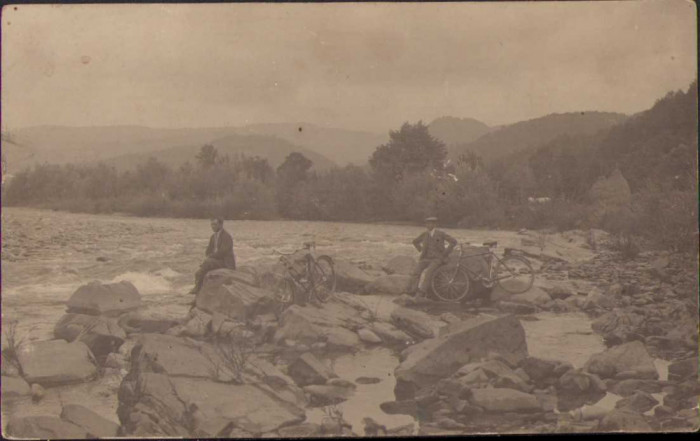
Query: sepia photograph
pixel 319 220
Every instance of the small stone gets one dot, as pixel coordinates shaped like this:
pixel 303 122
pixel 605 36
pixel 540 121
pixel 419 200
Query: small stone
pixel 368 336
pixel 37 392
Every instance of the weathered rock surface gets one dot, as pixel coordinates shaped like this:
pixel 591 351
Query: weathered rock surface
pixel 350 278
pixel 682 370
pixel 533 296
pixel 108 299
pixel 309 324
pixel 625 388
pixel 307 369
pixel 416 323
pixel 390 334
pixel 226 294
pixel 328 394
pixel 160 405
pixel 225 276
pixel 183 387
pixel 14 387
pixel 391 284
pixel 624 421
pixel 94 424
pixel 145 322
pixel 618 326
pixel 629 360
pixel 437 358
pixel 101 334
pixel 367 336
pixel 44 427
pixel 637 402
pixel 504 400
pixel 56 362
pixel 400 265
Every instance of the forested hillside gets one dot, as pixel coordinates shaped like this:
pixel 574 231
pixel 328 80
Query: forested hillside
pixel 634 178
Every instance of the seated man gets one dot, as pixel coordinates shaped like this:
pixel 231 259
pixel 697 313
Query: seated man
pixel 219 254
pixel 431 245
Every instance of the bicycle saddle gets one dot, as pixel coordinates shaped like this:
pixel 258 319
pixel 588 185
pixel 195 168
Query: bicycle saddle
pixel 491 243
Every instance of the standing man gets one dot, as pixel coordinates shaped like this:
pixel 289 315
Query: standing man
pixel 431 245
pixel 219 253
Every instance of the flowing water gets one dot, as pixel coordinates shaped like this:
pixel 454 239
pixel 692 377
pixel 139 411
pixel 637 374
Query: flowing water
pixel 46 255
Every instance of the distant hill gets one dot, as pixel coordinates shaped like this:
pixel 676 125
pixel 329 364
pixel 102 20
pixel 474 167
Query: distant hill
pixel 60 144
pixel 339 145
pixel 526 135
pixel 456 131
pixel 274 149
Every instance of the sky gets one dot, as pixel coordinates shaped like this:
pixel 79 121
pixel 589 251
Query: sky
pixel 368 66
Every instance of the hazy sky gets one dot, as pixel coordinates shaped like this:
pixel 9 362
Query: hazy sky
pixel 363 66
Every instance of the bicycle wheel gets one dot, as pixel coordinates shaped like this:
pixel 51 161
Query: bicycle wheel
pixel 514 274
pixel 285 293
pixel 323 277
pixel 450 283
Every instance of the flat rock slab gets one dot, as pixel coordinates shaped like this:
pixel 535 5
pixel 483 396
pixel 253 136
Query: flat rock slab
pixel 178 406
pixel 56 362
pixel 96 425
pixel 350 278
pixel 417 323
pixel 224 276
pixel 44 427
pixel 101 334
pixel 310 323
pixel 431 360
pixel 14 387
pixel 629 360
pixel 391 284
pixel 504 400
pixel 307 369
pixel 104 298
pixel 400 265
pixel 233 298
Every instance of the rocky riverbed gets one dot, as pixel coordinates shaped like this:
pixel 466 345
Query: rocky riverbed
pixel 598 344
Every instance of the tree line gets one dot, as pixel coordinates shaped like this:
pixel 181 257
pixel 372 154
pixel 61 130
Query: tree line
pixel 410 177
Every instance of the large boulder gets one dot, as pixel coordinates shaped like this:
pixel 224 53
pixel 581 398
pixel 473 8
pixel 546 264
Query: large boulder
pixel 182 357
pixel 638 402
pixel 391 284
pixel 629 360
pixel 94 424
pixel 101 334
pixel 105 298
pixel 416 323
pixel 618 326
pixel 226 294
pixel 400 265
pixel 56 362
pixel 350 278
pixel 504 400
pixel 153 404
pixel 44 427
pixel 533 296
pixel 307 369
pixel 682 370
pixel 225 276
pixel 492 372
pixel 310 324
pixel 470 341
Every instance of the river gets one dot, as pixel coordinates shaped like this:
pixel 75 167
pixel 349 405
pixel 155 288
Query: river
pixel 46 255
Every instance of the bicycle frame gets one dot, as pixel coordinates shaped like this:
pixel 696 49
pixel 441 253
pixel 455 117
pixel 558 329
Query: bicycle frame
pixel 310 286
pixel 490 279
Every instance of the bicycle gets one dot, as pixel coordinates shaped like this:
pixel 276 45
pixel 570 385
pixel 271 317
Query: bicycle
pixel 315 282
pixel 513 273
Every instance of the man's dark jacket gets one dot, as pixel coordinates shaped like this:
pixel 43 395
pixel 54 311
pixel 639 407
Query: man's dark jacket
pixel 434 247
pixel 224 251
